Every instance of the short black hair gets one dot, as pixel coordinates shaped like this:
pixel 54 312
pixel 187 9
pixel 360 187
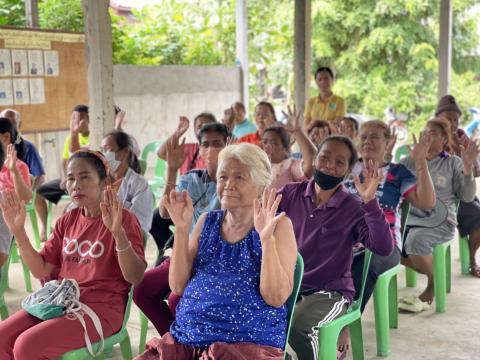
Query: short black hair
pixel 2 157
pixel 205 114
pixel 94 160
pixel 282 134
pixel 6 126
pixel 353 120
pixel 216 128
pixel 345 141
pixel 81 108
pixel 324 68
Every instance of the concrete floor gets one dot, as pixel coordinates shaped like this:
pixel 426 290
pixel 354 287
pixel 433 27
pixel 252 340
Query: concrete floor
pixel 452 335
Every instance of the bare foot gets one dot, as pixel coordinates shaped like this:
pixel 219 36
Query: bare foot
pixel 43 236
pixel 427 295
pixel 343 340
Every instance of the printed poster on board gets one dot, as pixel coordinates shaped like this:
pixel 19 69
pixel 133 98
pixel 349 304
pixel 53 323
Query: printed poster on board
pixel 19 62
pixel 35 63
pixel 5 62
pixel 21 95
pixel 37 91
pixel 6 95
pixel 52 67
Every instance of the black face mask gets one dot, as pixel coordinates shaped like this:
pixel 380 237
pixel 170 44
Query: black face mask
pixel 325 181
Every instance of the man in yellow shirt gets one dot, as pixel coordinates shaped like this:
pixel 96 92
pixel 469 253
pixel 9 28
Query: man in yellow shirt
pixel 55 189
pixel 325 106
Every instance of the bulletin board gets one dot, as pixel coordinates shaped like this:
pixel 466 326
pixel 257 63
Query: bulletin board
pixel 43 75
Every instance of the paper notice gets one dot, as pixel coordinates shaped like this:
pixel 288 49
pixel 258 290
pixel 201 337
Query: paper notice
pixel 21 95
pixel 5 63
pixel 35 62
pixel 6 95
pixel 52 67
pixel 19 62
pixel 37 91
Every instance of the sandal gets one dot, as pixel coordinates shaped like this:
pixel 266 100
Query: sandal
pixel 412 303
pixel 474 271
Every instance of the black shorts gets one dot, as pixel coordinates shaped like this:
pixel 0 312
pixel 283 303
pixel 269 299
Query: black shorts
pixel 51 191
pixel 468 217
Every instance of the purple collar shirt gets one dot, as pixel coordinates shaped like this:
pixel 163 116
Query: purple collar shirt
pixel 326 234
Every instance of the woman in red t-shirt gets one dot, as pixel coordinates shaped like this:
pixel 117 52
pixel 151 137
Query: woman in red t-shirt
pixel 99 244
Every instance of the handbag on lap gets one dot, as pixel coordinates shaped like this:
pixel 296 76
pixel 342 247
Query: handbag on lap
pixel 57 299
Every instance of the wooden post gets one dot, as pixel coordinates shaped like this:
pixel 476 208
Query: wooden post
pixel 303 52
pixel 31 13
pixel 445 48
pixel 242 47
pixel 98 42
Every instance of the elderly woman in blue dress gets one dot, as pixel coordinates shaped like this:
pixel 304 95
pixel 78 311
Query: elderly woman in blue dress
pixel 235 271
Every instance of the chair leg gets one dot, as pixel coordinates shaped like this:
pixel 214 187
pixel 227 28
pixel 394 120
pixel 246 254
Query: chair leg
pixel 411 277
pixel 126 348
pixel 36 232
pixel 439 276
pixel 381 311
pixel 143 332
pixel 327 344
pixel 26 277
pixel 356 339
pixel 448 269
pixel 393 303
pixel 464 254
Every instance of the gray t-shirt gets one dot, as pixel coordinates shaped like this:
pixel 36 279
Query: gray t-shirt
pixel 449 182
pixel 5 236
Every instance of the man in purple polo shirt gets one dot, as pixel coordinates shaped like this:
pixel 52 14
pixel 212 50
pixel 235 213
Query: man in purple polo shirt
pixel 327 221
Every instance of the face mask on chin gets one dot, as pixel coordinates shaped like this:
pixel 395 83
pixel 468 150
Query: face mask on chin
pixel 325 181
pixel 112 161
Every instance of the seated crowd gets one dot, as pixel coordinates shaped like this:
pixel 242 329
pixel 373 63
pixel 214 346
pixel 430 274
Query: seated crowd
pixel 237 207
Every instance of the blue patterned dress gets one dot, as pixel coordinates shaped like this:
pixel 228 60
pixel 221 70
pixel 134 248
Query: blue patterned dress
pixel 222 300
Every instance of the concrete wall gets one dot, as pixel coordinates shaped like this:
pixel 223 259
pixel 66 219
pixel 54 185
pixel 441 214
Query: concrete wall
pixel 154 97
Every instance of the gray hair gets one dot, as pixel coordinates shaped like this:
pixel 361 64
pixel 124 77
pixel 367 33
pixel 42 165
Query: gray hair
pixel 252 156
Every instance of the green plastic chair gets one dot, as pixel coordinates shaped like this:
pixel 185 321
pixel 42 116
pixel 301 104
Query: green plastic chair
pixel 26 271
pixel 30 208
pixel 3 286
pixel 121 338
pixel 464 254
pixel 442 275
pixel 385 302
pixel 401 152
pixel 297 281
pixel 143 166
pixel 328 333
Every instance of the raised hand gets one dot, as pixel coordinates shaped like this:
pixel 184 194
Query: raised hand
pixel 391 143
pixel 231 140
pixel 469 156
pixel 373 176
pixel 75 122
pixel 180 208
pixel 111 208
pixel 183 124
pixel 420 148
pixel 175 155
pixel 119 120
pixel 13 211
pixel 11 158
pixel 293 119
pixel 265 216
pixel 229 118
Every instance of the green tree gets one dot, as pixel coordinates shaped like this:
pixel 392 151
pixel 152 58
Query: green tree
pixel 61 15
pixel 12 13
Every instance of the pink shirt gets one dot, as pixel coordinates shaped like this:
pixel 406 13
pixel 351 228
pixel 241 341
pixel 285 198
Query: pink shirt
pixel 193 159
pixel 84 249
pixel 6 178
pixel 287 171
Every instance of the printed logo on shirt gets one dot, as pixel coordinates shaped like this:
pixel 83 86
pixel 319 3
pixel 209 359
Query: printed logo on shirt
pixel 84 248
pixel 441 181
pixel 332 106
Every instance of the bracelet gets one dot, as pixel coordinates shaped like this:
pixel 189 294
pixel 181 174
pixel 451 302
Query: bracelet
pixel 123 250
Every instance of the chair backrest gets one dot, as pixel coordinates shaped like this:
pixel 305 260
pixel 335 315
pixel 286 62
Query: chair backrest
pixel 297 281
pixel 143 166
pixel 357 304
pixel 127 309
pixel 4 275
pixel 401 152
pixel 149 148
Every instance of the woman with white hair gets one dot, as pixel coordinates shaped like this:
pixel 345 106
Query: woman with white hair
pixel 235 271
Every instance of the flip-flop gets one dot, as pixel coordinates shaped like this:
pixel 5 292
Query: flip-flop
pixel 474 271
pixel 412 303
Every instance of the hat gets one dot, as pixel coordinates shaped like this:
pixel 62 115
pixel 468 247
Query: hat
pixel 447 103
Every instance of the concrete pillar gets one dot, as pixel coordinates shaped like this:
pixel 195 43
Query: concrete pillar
pixel 302 51
pixel 98 42
pixel 31 13
pixel 445 48
pixel 241 16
